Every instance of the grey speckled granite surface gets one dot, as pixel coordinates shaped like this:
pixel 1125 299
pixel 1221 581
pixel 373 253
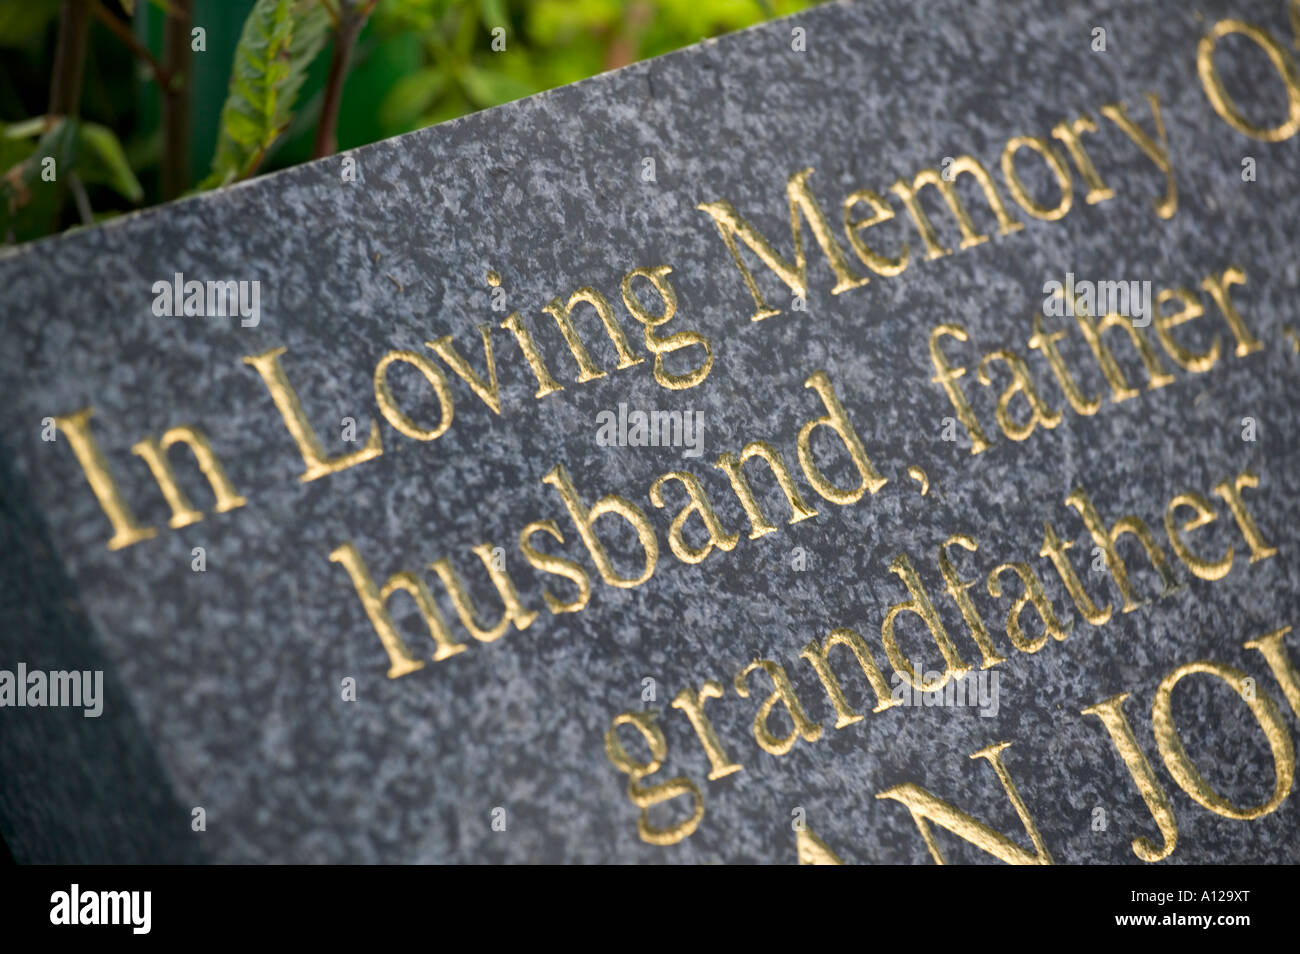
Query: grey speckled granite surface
pixel 223 687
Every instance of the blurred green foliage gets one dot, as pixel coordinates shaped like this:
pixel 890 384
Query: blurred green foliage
pixel 415 63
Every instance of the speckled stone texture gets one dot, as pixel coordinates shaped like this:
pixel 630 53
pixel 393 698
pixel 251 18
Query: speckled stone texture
pixel 224 686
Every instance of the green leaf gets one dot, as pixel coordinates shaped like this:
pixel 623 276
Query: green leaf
pixel 279 40
pixel 415 16
pixel 488 88
pixel 27 129
pixel 13 151
pixel 101 159
pixel 24 21
pixel 493 13
pixel 410 96
pixel 28 203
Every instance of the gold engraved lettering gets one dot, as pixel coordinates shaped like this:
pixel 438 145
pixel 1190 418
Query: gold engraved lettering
pixel 546 384
pixel 563 315
pixel 1157 376
pixel 692 703
pixel 1274 653
pixel 154 453
pixel 488 391
pixel 1217 286
pixel 1071 134
pixel 1054 549
pixel 126 529
pixel 1158 154
pixel 513 611
pixel 1191 310
pixel 585 519
pixel 660 346
pixel 555 565
pixel 1054 162
pixel 1230 491
pixel 818 659
pixel 1021 383
pixel 1046 343
pixel 1106 540
pixel 645 797
pixel 784 695
pixel 314 458
pixel 1179 763
pixel 388 404
pixel 732 466
pixel 1033 593
pixel 878 263
pixel 838 421
pixel 927 808
pixel 718 536
pixel 921 606
pixel 957 588
pixel 946 376
pixel 1218 95
pixel 947 187
pixel 375 602
pixel 812 850
pixel 1204 569
pixel 795 276
pixel 1111 714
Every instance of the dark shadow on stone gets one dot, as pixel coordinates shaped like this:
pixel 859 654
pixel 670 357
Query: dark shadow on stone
pixel 73 790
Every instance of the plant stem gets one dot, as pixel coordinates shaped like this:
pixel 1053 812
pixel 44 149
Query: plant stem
pixel 175 96
pixel 69 59
pixel 65 84
pixel 83 201
pixel 626 43
pixel 123 33
pixel 350 22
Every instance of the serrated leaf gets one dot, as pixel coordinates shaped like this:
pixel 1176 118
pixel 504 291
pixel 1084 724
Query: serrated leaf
pixel 279 41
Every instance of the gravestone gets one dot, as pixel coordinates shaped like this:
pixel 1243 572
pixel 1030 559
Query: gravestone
pixel 867 437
